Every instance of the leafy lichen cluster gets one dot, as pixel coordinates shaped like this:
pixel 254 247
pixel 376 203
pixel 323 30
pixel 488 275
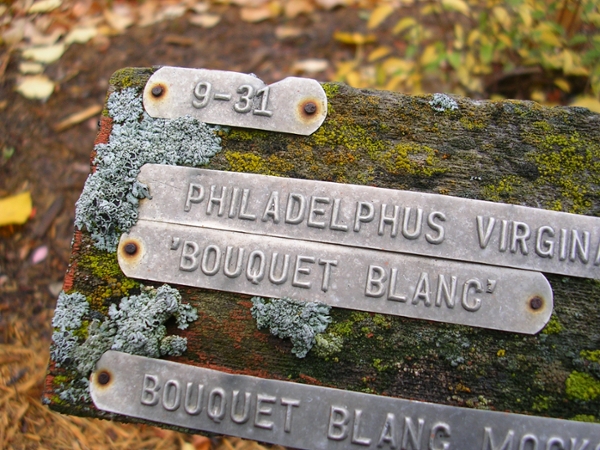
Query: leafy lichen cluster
pixel 108 204
pixel 287 318
pixel 136 326
pixel 443 103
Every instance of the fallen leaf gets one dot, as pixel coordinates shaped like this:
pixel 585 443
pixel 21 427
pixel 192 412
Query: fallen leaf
pixel 46 55
pixel 174 11
pixel 293 8
pixel 379 14
pixel 285 32
pixel 15 209
pixel 200 8
pixel 379 52
pixel 119 19
pixel 81 35
pixel 456 5
pixel 354 38
pixel 563 84
pixel 15 33
pixel 590 103
pixel 39 254
pixel 54 288
pixel 330 4
pixel 35 87
pixel 205 20
pixel 310 65
pixel 403 24
pixel 28 68
pixel 261 13
pixel 44 6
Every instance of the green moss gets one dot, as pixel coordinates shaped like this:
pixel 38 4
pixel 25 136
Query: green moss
pixel 586 418
pixel 472 124
pixel 246 162
pixel 130 77
pixel 410 158
pixel 553 326
pixel 590 355
pixel 60 379
pixel 542 403
pixel 331 89
pixel 582 386
pixel 379 365
pixel 570 162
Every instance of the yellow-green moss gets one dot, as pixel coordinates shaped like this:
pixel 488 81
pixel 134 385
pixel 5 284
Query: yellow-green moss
pixel 590 355
pixel 411 159
pixel 331 89
pixel 586 418
pixel 542 403
pixel 130 77
pixel 246 162
pixel 472 124
pixel 582 386
pixel 570 162
pixel 553 326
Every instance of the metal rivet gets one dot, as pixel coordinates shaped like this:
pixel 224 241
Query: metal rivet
pixel 536 302
pixel 157 91
pixel 103 377
pixel 130 248
pixel 310 108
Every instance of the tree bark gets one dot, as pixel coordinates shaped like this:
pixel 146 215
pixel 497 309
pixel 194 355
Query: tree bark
pixel 502 151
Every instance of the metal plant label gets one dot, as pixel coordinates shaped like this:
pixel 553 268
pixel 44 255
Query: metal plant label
pixel 293 105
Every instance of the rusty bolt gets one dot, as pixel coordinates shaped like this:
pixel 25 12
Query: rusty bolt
pixel 130 248
pixel 536 303
pixel 103 377
pixel 310 108
pixel 157 91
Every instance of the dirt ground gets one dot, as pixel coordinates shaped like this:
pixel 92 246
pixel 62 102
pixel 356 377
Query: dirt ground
pixel 54 165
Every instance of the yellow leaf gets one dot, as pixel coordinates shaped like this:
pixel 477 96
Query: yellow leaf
pixel 590 103
pixel 432 8
pixel 354 38
pixel 538 96
pixel 353 79
pixel 572 64
pixel 379 52
pixel 15 209
pixel 505 40
pixel 429 55
pixel 459 32
pixel 474 36
pixel 345 68
pixel 379 14
pixel 394 66
pixel 46 55
pixel 403 24
pixel 44 6
pixel 525 13
pixel 394 82
pixel 456 5
pixel 501 16
pixel 563 84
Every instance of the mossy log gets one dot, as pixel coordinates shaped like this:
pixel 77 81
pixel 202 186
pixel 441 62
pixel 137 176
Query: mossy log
pixel 503 151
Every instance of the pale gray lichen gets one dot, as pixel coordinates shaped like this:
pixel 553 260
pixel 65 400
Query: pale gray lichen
pixel 287 318
pixel 442 102
pixel 136 326
pixel 70 309
pixel 108 204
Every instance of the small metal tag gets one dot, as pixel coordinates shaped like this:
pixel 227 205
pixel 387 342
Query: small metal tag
pixel 293 105
pixel 384 219
pixel 314 417
pixel 355 278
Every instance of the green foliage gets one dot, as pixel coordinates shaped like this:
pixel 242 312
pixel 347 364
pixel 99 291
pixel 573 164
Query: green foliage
pixel 478 39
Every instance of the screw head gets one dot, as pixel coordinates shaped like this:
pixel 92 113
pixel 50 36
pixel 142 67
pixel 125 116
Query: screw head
pixel 157 91
pixel 310 108
pixel 130 248
pixel 103 378
pixel 536 303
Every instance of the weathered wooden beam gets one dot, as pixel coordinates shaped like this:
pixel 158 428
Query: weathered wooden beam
pixel 502 151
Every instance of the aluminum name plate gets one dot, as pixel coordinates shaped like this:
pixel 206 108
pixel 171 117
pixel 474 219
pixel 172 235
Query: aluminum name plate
pixel 313 417
pixel 383 219
pixel 367 280
pixel 293 105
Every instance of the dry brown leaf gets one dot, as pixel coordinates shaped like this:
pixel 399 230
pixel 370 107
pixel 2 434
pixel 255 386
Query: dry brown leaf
pixel 15 33
pixel 205 20
pixel 285 32
pixel 37 38
pixel 119 18
pixel 44 6
pixel 77 117
pixel 258 14
pixel 174 11
pixel 294 8
pixel 46 55
pixel 200 8
pixel 330 4
pixel 310 65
